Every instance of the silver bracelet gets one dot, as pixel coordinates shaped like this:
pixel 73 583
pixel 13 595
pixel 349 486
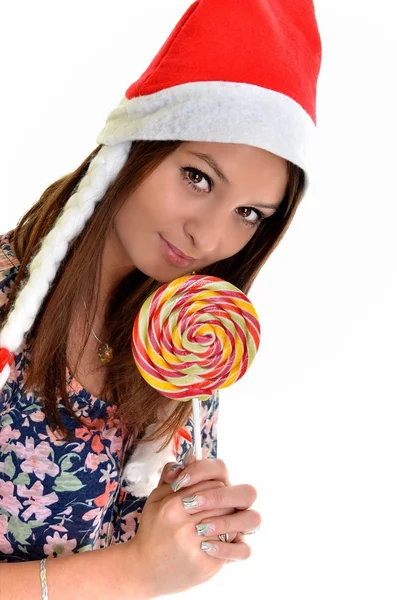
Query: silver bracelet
pixel 43 578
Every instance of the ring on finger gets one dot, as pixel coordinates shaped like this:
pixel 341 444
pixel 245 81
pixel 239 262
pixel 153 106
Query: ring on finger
pixel 224 537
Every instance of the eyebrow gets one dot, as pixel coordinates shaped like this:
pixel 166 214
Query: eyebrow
pixel 210 160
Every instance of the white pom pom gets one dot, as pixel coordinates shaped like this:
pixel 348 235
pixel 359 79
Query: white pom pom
pixel 143 469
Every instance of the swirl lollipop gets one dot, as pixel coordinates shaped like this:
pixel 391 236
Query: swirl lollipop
pixel 193 336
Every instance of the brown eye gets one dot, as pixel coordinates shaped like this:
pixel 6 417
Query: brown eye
pixel 197 178
pixel 251 211
pixel 247 209
pixel 196 175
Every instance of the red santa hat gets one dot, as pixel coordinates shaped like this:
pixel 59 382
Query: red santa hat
pixel 230 71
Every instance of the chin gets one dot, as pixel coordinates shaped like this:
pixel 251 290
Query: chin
pixel 161 277
pixel 159 274
pixel 164 279
pixel 163 272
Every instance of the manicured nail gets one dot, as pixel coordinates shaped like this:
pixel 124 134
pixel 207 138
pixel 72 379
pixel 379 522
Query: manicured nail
pixel 176 466
pixel 193 501
pixel 180 482
pixel 187 455
pixel 250 532
pixel 208 547
pixel 205 528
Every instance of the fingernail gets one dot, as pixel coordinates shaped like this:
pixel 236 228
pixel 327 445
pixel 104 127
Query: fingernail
pixel 208 547
pixel 176 466
pixel 193 501
pixel 250 532
pixel 187 456
pixel 205 528
pixel 180 482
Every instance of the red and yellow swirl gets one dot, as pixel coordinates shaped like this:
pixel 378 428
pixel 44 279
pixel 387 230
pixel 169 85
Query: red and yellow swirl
pixel 195 335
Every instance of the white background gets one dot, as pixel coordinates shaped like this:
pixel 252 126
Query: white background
pixel 313 424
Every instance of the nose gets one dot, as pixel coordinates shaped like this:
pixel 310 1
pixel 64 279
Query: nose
pixel 207 232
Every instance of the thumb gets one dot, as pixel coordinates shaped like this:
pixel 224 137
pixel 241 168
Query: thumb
pixel 172 470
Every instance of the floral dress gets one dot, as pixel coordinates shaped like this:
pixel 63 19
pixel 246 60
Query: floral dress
pixel 59 497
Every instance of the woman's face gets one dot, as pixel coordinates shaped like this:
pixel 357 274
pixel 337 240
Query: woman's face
pixel 188 203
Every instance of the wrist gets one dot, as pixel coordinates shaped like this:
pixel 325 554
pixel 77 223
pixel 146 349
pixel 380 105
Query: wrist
pixel 128 573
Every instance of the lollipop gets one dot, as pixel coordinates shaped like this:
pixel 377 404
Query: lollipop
pixel 195 335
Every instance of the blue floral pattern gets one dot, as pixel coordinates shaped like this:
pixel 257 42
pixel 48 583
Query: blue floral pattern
pixel 59 497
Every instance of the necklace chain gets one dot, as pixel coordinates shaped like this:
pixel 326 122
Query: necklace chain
pixel 100 341
pixel 105 352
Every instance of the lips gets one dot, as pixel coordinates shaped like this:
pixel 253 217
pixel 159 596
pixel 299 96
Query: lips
pixel 173 255
pixel 175 249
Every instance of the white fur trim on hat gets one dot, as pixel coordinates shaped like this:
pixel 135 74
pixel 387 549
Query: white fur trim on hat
pixel 216 111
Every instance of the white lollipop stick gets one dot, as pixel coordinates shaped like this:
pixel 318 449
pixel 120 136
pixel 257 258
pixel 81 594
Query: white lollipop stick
pixel 197 428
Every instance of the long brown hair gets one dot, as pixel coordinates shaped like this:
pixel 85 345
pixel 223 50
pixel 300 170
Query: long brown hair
pixel 78 275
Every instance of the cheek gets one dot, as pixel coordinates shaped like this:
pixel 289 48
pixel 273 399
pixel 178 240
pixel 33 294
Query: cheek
pixel 134 214
pixel 158 200
pixel 123 222
pixel 130 226
pixel 166 200
pixel 237 239
pixel 234 247
pixel 155 207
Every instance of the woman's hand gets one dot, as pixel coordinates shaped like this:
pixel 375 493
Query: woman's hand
pixel 246 521
pixel 167 548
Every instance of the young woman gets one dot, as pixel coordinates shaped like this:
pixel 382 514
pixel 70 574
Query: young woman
pixel 200 168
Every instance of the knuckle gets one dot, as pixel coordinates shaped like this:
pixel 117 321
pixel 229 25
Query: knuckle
pixel 218 484
pixel 221 463
pixel 181 534
pixel 223 469
pixel 217 496
pixel 226 525
pixel 222 466
pixel 225 472
pixel 170 508
pixel 201 486
pixel 198 471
